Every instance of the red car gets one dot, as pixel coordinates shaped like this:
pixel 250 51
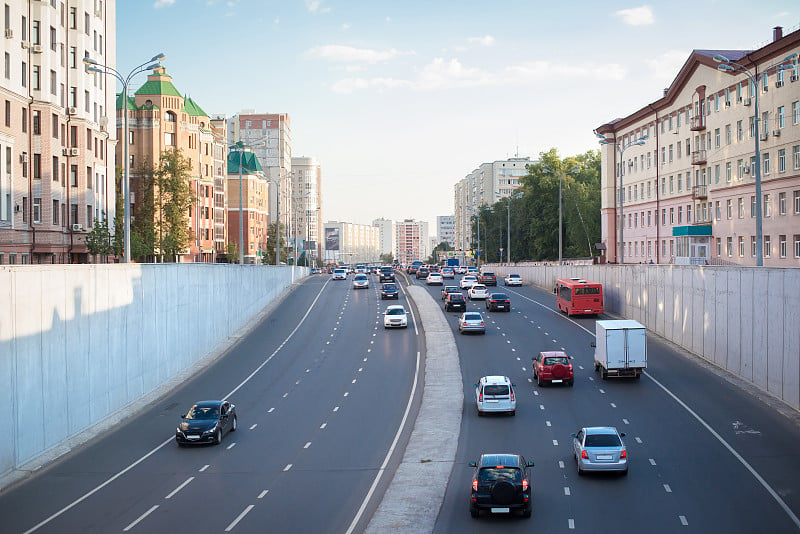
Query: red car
pixel 553 367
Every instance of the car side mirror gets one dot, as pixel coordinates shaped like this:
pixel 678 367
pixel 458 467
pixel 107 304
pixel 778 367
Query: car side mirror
pixel 571 357
pixel 183 416
pixel 529 464
pixel 592 344
pixel 622 434
pixel 573 435
pixel 473 464
pixel 474 385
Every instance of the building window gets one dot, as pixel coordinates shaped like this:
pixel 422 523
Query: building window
pixel 728 134
pixel 797 246
pixel 741 207
pixel 728 172
pixel 782 245
pixel 671 183
pixel 169 139
pixel 729 246
pixel 782 160
pixel 781 203
pixel 752 206
pixel 741 246
pixel 796 112
pixel 37 210
pixel 781 118
pixel 765 158
pixel 73 175
pixel 797 202
pixel 672 215
pixel 716 174
pixel 767 246
pixel 767 205
pixel 796 156
pixel 729 208
pixel 717 138
pixel 55 213
pixel 55 168
pixel 753 246
pixel 718 210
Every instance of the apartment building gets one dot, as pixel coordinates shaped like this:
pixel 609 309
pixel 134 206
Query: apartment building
pixel 161 119
pixel 219 129
pixel 386 230
pixel 678 176
pixel 246 174
pixel 487 184
pixel 351 243
pixel 56 150
pixel 445 229
pixel 412 241
pixel 306 175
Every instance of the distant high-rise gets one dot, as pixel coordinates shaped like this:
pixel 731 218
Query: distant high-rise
pixel 445 229
pixel 307 199
pixel 386 228
pixel 411 241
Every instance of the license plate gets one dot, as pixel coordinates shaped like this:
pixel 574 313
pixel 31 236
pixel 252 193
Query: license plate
pixel 489 400
pixel 604 457
pixel 500 307
pixel 192 437
pixel 501 510
pixel 557 381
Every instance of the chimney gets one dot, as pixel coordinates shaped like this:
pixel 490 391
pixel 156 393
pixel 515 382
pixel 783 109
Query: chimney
pixel 777 33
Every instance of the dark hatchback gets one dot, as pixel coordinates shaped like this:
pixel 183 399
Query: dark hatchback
pixel 455 302
pixel 389 291
pixel 422 272
pixel 487 279
pixel 501 484
pixel 498 301
pixel 386 274
pixel 206 422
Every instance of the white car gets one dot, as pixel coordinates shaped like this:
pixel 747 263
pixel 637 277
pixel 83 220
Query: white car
pixel 395 317
pixel 339 274
pixel 495 394
pixel 434 279
pixel 361 282
pixel 468 281
pixel 478 292
pixel 513 280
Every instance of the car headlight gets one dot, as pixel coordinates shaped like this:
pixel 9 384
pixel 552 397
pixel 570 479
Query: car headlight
pixel 210 430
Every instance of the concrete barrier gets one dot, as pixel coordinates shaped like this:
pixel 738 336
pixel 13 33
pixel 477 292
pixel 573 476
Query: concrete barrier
pixel 742 319
pixel 79 343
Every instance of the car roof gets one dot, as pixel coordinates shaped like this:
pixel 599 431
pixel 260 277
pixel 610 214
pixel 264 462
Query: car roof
pixel 495 459
pixel 600 430
pixel 389 285
pixel 550 353
pixel 499 296
pixel 208 403
pixel 496 379
pixel 395 307
pixel 478 286
pixel 515 275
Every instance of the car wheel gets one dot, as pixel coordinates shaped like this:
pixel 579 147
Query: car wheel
pixel 474 512
pixel 480 413
pixel 605 374
pixel 512 413
pixel 233 424
pixel 218 436
pixel 180 444
pixel 539 381
pixel 624 473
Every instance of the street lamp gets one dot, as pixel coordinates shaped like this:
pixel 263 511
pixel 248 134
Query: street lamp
pixel 94 66
pixel 621 149
pixel 726 65
pixel 510 197
pixel 561 176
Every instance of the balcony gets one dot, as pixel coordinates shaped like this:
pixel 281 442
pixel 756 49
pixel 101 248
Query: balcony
pixel 700 192
pixel 698 123
pixel 699 157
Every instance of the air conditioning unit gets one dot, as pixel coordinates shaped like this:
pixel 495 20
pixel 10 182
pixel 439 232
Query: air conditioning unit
pixel 779 83
pixel 746 169
pixel 25 44
pixel 727 103
pixel 36 49
pixel 72 111
pixel 103 124
pixel 776 133
pixel 23 158
pixel 746 102
pixel 74 151
pixel 792 78
pixel 65 152
pixel 77 227
pixel 764 136
pixel 9 33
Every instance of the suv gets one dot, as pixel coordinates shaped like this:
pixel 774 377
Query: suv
pixel 501 485
pixel 488 279
pixel 422 272
pixel 446 290
pixel 390 291
pixel 386 274
pixel 455 302
pixel 495 394
pixel 554 367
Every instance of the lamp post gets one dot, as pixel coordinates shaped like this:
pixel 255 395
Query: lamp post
pixel 729 66
pixel 94 66
pixel 561 175
pixel 621 149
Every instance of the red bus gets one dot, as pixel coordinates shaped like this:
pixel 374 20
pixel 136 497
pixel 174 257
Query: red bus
pixel 576 296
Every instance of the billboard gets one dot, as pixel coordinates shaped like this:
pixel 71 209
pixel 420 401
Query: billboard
pixel 331 239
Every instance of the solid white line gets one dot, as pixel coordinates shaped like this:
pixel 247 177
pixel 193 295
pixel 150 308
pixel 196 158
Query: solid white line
pixel 261 495
pixel 176 490
pixel 389 453
pixel 240 517
pixel 684 522
pixel 136 522
pixel 204 468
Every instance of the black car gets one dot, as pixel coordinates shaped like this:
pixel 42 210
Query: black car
pixel 386 274
pixel 498 301
pixel 446 290
pixel 422 272
pixel 389 291
pixel 206 422
pixel 488 279
pixel 455 302
pixel 501 485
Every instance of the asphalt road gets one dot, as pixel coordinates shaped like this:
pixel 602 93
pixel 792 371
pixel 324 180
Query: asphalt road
pixel 682 477
pixel 320 389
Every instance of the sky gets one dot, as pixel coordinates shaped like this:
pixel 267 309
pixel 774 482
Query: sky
pixel 399 100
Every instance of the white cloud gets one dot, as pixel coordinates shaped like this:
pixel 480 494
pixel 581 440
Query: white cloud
pixel 441 74
pixel 350 85
pixel 345 26
pixel 666 66
pixel 349 54
pixel 315 7
pixel 163 3
pixel 277 20
pixel 637 16
pixel 486 40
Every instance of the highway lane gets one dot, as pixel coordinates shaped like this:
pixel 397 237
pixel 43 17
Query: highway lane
pixel 315 424
pixel 682 478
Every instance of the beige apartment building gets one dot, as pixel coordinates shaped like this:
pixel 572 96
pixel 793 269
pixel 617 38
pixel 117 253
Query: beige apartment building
pixel 306 175
pixel 56 149
pixel 350 243
pixel 678 176
pixel 412 241
pixel 161 119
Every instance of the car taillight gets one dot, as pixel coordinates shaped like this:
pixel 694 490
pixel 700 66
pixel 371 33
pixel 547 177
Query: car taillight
pixel 481 323
pixel 512 396
pixel 474 484
pixel 624 454
pixel 480 397
pixel 524 484
pixel 584 455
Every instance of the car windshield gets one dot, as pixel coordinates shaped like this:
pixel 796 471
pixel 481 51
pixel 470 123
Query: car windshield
pixel 495 389
pixel 360 277
pixel 470 278
pixel 456 297
pixel 339 271
pixel 493 474
pixel 388 287
pixel 478 287
pixel 488 274
pixel 602 440
pixel 472 316
pixel 395 311
pixel 203 412
pixel 556 359
pixel 513 276
pixel 499 296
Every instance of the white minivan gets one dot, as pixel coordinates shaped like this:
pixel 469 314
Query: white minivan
pixel 495 394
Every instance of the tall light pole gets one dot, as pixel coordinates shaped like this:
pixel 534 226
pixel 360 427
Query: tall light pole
pixel 561 175
pixel 621 149
pixel 94 66
pixel 727 65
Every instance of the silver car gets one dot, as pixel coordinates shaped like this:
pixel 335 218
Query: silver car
pixel 495 394
pixel 361 282
pixel 600 448
pixel 471 322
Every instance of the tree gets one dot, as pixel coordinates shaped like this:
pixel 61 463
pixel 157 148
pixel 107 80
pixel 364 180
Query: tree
pixel 171 182
pixel 118 244
pixel 441 247
pixel 387 258
pixel 232 252
pixel 98 240
pixel 272 230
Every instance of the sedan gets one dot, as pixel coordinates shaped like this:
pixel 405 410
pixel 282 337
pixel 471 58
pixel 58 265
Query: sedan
pixel 389 291
pixel 471 322
pixel 395 317
pixel 448 273
pixel 477 292
pixel 434 279
pixel 468 281
pixel 513 280
pixel 600 448
pixel 498 301
pixel 446 290
pixel 206 422
pixel 360 281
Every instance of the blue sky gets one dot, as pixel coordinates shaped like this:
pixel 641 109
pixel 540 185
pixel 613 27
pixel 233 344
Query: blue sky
pixel 401 99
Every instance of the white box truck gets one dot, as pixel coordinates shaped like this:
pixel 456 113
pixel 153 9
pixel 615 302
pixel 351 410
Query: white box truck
pixel 620 348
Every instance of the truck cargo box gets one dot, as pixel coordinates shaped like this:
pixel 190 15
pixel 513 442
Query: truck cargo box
pixel 621 348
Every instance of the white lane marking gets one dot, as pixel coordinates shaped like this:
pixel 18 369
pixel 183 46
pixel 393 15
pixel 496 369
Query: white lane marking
pixel 561 464
pixel 555 443
pixel 503 334
pixel 613 405
pixel 571 524
pixel 327 342
pixel 307 445
pixel 389 452
pixel 288 466
pixel 591 378
pixel 271 410
pixel 602 391
pixel 518 359
pixel 176 490
pixel 524 369
pixel 530 380
pixel 360 369
pixel 536 393
pixel 204 468
pixel 323 425
pixel 652 462
pixel 368 350
pixel 514 350
pixel 285 395
pixel 297 383
pixel 566 491
pixel 554 341
pixel 261 495
pixel 625 421
pixel 232 445
pixel 580 367
pixel 638 439
pixel 346 393
pixel 562 348
pixel 253 426
pixel 541 406
pixel 336 409
pixel 354 381
pixel 684 522
pixel 239 517
pixel 667 488
pixel 138 519
pixel 547 333
pixel 548 423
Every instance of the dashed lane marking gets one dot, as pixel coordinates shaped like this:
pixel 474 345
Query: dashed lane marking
pixel 613 405
pixel 271 410
pixel 232 445
pixel 555 443
pixel 288 466
pixel 566 491
pixel 667 488
pixel 638 439
pixel 625 421
pixel 204 468
pixel 139 519
pixel 571 524
pixel 561 464
pixel 261 495
pixel 176 490
pixel 336 409
pixel 307 445
pixel 684 522
pixel 239 517
pixel 652 462
pixel 548 423
pixel 323 425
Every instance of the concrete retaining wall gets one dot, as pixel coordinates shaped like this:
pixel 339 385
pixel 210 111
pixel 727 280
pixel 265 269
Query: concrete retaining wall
pixel 744 320
pixel 78 343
